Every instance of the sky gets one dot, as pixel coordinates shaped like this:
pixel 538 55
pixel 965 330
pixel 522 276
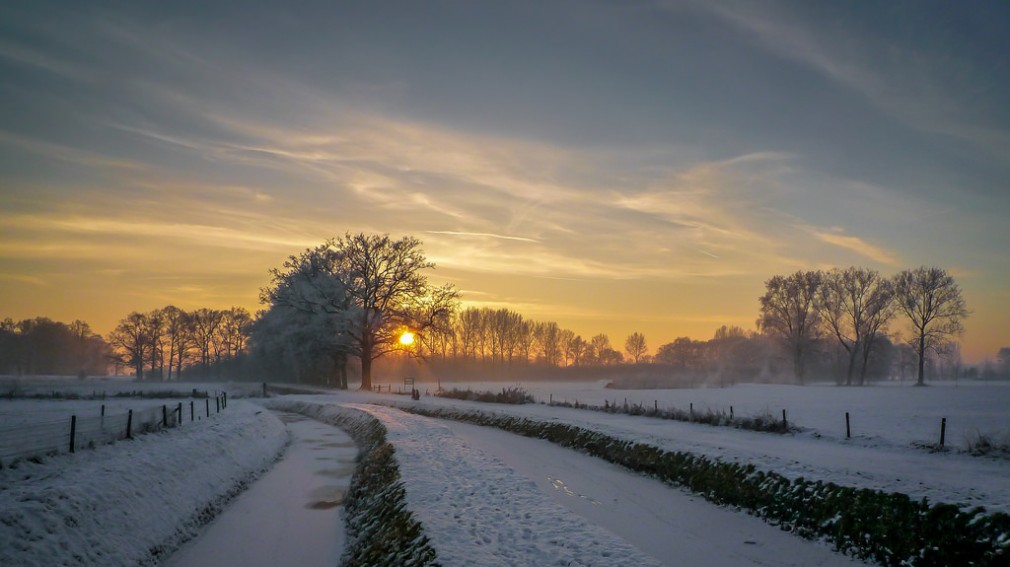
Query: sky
pixel 612 166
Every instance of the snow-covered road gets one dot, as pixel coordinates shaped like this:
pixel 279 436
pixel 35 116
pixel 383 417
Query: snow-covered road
pixel 488 497
pixel 290 515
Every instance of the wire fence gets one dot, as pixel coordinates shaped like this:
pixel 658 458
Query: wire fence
pixel 78 432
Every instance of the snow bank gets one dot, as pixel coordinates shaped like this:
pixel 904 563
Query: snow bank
pixel 135 501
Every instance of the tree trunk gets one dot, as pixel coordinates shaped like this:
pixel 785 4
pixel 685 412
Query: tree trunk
pixel 922 359
pixel 798 364
pixel 366 369
pixel 852 364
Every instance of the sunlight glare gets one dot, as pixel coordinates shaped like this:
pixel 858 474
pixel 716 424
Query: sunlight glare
pixel 407 338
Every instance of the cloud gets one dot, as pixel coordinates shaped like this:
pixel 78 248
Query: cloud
pixel 906 81
pixel 837 237
pixel 481 235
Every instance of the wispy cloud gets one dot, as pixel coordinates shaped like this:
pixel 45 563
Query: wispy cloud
pixel 837 237
pixel 481 235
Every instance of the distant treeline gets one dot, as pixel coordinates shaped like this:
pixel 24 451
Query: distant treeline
pixel 334 310
pixel 43 346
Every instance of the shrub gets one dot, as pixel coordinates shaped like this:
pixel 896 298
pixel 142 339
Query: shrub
pixel 511 395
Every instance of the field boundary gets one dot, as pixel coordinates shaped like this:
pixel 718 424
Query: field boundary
pixel 39 439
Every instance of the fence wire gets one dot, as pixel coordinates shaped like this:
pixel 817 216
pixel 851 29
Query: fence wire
pixel 53 437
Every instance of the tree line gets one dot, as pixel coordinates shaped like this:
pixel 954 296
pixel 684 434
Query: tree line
pixel 163 343
pixel 41 346
pixel 350 301
pixel 853 308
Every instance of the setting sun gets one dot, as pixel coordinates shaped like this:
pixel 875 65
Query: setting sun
pixel 407 338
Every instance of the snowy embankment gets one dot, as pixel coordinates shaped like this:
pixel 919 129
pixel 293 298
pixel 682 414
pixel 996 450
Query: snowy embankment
pixel 380 528
pixel 133 502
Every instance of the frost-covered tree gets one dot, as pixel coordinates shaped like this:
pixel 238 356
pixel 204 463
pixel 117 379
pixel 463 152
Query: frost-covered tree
pixel 373 284
pixel 932 302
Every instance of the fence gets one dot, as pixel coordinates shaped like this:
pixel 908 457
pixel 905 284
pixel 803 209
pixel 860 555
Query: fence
pixel 67 435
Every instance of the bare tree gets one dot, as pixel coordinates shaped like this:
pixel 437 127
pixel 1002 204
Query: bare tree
pixel 635 346
pixel 205 324
pixel 788 313
pixel 549 337
pixel 935 308
pixel 177 328
pixel 855 304
pixel 130 342
pixel 384 280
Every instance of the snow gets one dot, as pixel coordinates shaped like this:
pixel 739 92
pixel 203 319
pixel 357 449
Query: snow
pixel 132 501
pixel 477 511
pixel 887 414
pixel 292 512
pixel 672 526
pixel 485 496
pixel 953 478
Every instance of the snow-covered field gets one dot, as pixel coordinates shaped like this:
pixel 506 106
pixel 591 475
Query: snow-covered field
pixel 491 498
pixel 892 413
pixel 130 502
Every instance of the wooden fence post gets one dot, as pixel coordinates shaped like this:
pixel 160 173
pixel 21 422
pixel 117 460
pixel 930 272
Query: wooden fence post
pixel 164 415
pixel 848 429
pixel 73 431
pixel 191 418
pixel 731 413
pixel 217 404
pixel 180 414
pixel 129 425
pixel 785 424
pixel 103 410
pixel 207 402
pixel 943 431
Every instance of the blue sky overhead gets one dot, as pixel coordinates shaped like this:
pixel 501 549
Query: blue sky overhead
pixel 614 166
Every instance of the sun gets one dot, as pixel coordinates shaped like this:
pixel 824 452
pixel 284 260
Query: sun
pixel 407 338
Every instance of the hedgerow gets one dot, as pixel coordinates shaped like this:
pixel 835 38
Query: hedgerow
pixel 513 395
pixel 765 422
pixel 380 529
pixel 888 528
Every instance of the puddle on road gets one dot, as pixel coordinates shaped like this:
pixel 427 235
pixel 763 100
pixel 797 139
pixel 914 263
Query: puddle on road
pixel 340 472
pixel 291 418
pixel 560 486
pixel 322 505
pixel 326 498
pixel 323 445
